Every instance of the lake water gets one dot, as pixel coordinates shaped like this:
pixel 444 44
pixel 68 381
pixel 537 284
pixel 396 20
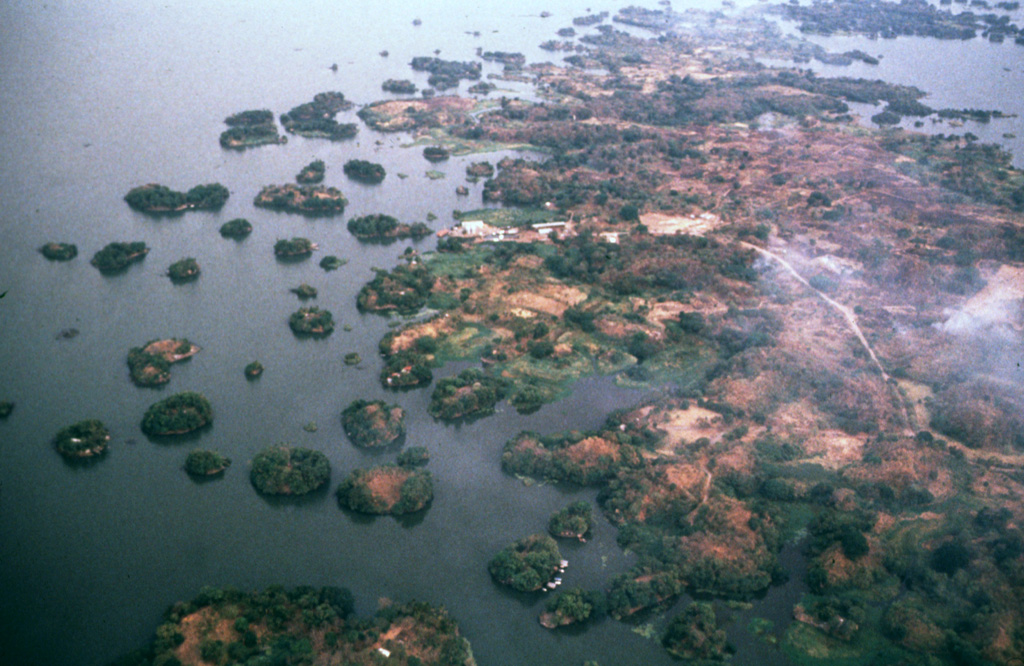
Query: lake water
pixel 103 96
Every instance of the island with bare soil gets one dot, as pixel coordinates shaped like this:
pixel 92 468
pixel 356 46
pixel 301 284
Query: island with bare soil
pixel 59 251
pixel 285 470
pixel 373 424
pixel 314 200
pixel 178 414
pixel 154 198
pixel 247 129
pixel 115 257
pixel 150 365
pixel 312 173
pixel 204 462
pixel 470 394
pixel 253 370
pixel 387 489
pixel 84 439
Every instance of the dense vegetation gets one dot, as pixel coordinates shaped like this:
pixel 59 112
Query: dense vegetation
pixel 313 200
pixel 331 263
pixel 373 424
pixel 250 128
pixel 380 227
pixel 436 153
pixel 184 270
pixel 304 291
pixel 203 462
pixel 364 171
pixel 115 257
pixel 150 365
pixel 59 251
pixel 283 470
pixel 155 198
pixel 82 440
pixel 526 565
pixel 470 394
pixel 304 625
pixel 387 489
pixel 414 456
pixel 399 86
pixel 311 321
pixel 316 119
pixel 296 247
pixel 403 290
pixel 253 369
pixel 572 522
pixel 574 606
pixel 177 414
pixel 237 228
pixel 694 634
pixel 312 173
pixel 405 370
pixel 445 74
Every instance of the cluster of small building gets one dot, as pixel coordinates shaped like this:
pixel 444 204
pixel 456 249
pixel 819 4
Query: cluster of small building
pixel 482 230
pixel 562 564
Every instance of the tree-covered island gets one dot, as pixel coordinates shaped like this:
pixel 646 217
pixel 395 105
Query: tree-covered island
pixel 331 263
pixel 470 394
pixel 253 370
pixel 574 606
pixel 284 470
pixel 296 247
pixel 312 173
pixel 150 365
pixel 694 635
pixel 154 198
pixel 311 322
pixel 84 439
pixel 177 414
pixel 399 87
pixel 315 200
pixel 373 424
pixel 204 462
pixel 184 270
pixel 572 522
pixel 315 120
pixel 387 489
pixel 59 251
pixel 304 625
pixel 528 564
pixel 382 228
pixel 237 228
pixel 6 408
pixel 436 153
pixel 247 129
pixel 363 171
pixel 115 257
pixel 403 290
pixel 304 291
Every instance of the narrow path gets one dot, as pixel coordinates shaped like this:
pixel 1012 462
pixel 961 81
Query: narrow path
pixel 851 321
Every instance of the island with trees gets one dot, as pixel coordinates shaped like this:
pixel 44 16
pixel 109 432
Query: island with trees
pixel 84 439
pixel 115 257
pixel 285 470
pixel 304 291
pixel 303 625
pixel 574 606
pixel 406 370
pixel 316 119
pixel 154 198
pixel 470 394
pixel 313 200
pixel 204 462
pixel 445 74
pixel 387 490
pixel 150 365
pixel 403 290
pixel 694 635
pixel 399 87
pixel 414 456
pixel 373 424
pixel 253 370
pixel 184 270
pixel 178 414
pixel 6 408
pixel 331 263
pixel 294 248
pixel 383 228
pixel 528 564
pixel 572 522
pixel 59 251
pixel 436 153
pixel 247 129
pixel 364 171
pixel 312 173
pixel 311 322
pixel 237 228
pixel 480 170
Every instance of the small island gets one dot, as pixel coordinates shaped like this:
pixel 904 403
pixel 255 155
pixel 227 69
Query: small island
pixel 247 129
pixel 383 228
pixel 203 462
pixel 406 370
pixel 694 635
pixel 6 407
pixel 253 370
pixel 399 86
pixel 311 322
pixel 572 522
pixel 312 173
pixel 183 270
pixel 403 290
pixel 296 247
pixel 574 606
pixel 283 470
pixel 373 424
pixel 150 365
pixel 154 198
pixel 331 263
pixel 387 490
pixel 237 228
pixel 480 170
pixel 414 456
pixel 84 439
pixel 315 120
pixel 316 200
pixel 59 251
pixel 353 358
pixel 436 153
pixel 362 171
pixel 470 394
pixel 528 564
pixel 118 256
pixel 178 414
pixel 304 291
